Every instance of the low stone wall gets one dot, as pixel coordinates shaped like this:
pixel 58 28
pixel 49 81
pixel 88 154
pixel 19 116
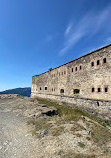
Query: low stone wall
pixel 99 107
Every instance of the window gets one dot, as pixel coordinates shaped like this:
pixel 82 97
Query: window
pixel 76 91
pixel 93 90
pixel 80 67
pixel 52 89
pixel 106 89
pixel 76 69
pixel 92 64
pixel 62 91
pixel 40 88
pixel 59 73
pixel 64 72
pixel 104 60
pixel 99 89
pixel 72 69
pixel 98 62
pixel 45 88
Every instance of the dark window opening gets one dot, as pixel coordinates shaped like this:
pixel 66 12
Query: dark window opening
pixel 98 62
pixel 76 69
pixel 99 89
pixel 93 90
pixel 104 60
pixel 59 73
pixel 62 91
pixel 40 88
pixel 52 89
pixel 62 73
pixel 45 88
pixel 72 69
pixel 92 64
pixel 97 103
pixel 80 67
pixel 76 91
pixel 106 89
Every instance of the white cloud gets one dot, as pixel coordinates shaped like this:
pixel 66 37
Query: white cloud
pixel 68 29
pixel 87 27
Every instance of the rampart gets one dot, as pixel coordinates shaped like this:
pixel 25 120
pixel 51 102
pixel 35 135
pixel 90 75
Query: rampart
pixel 85 81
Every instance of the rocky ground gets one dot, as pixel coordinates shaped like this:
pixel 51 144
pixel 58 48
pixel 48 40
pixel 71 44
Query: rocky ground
pixel 32 130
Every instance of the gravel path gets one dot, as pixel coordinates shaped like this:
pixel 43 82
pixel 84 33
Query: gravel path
pixel 15 137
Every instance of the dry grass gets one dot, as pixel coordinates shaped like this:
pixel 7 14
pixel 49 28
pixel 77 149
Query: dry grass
pixel 100 135
pixel 73 114
pixel 57 131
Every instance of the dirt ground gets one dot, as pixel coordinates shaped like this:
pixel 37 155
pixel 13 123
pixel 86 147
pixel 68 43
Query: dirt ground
pixel 17 139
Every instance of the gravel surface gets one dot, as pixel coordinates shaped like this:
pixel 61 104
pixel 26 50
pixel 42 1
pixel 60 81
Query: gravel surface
pixel 16 140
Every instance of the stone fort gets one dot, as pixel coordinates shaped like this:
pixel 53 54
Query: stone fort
pixel 84 81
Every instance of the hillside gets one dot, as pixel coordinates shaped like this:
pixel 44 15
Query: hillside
pixel 22 91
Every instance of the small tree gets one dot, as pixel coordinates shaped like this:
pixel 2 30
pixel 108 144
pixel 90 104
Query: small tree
pixel 50 69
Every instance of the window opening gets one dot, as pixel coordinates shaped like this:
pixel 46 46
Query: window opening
pixel 98 62
pixel 45 88
pixel 62 91
pixel 40 88
pixel 104 60
pixel 80 67
pixel 99 89
pixel 72 69
pixel 76 91
pixel 92 64
pixel 106 89
pixel 93 90
pixel 76 69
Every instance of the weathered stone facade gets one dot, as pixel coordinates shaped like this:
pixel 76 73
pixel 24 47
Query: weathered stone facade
pixel 88 76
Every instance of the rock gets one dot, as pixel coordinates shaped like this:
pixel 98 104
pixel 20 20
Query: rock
pixel 44 132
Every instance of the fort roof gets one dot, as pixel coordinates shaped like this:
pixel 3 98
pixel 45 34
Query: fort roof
pixel 76 58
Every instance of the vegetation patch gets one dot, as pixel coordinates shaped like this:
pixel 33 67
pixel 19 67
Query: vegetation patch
pixel 100 135
pixel 81 144
pixel 57 131
pixel 73 114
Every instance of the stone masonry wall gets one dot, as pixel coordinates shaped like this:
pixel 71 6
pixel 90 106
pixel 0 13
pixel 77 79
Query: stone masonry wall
pixel 92 82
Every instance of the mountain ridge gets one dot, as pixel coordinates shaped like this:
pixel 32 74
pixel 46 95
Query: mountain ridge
pixel 21 91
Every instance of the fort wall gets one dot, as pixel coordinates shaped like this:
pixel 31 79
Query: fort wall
pixel 88 77
pixel 84 82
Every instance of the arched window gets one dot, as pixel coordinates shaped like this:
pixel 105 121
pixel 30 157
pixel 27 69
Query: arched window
pixel 92 64
pixel 62 91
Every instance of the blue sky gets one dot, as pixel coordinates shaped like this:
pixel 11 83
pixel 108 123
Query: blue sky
pixel 38 34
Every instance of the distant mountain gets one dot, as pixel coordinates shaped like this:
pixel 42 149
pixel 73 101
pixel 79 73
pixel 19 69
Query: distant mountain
pixel 22 91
